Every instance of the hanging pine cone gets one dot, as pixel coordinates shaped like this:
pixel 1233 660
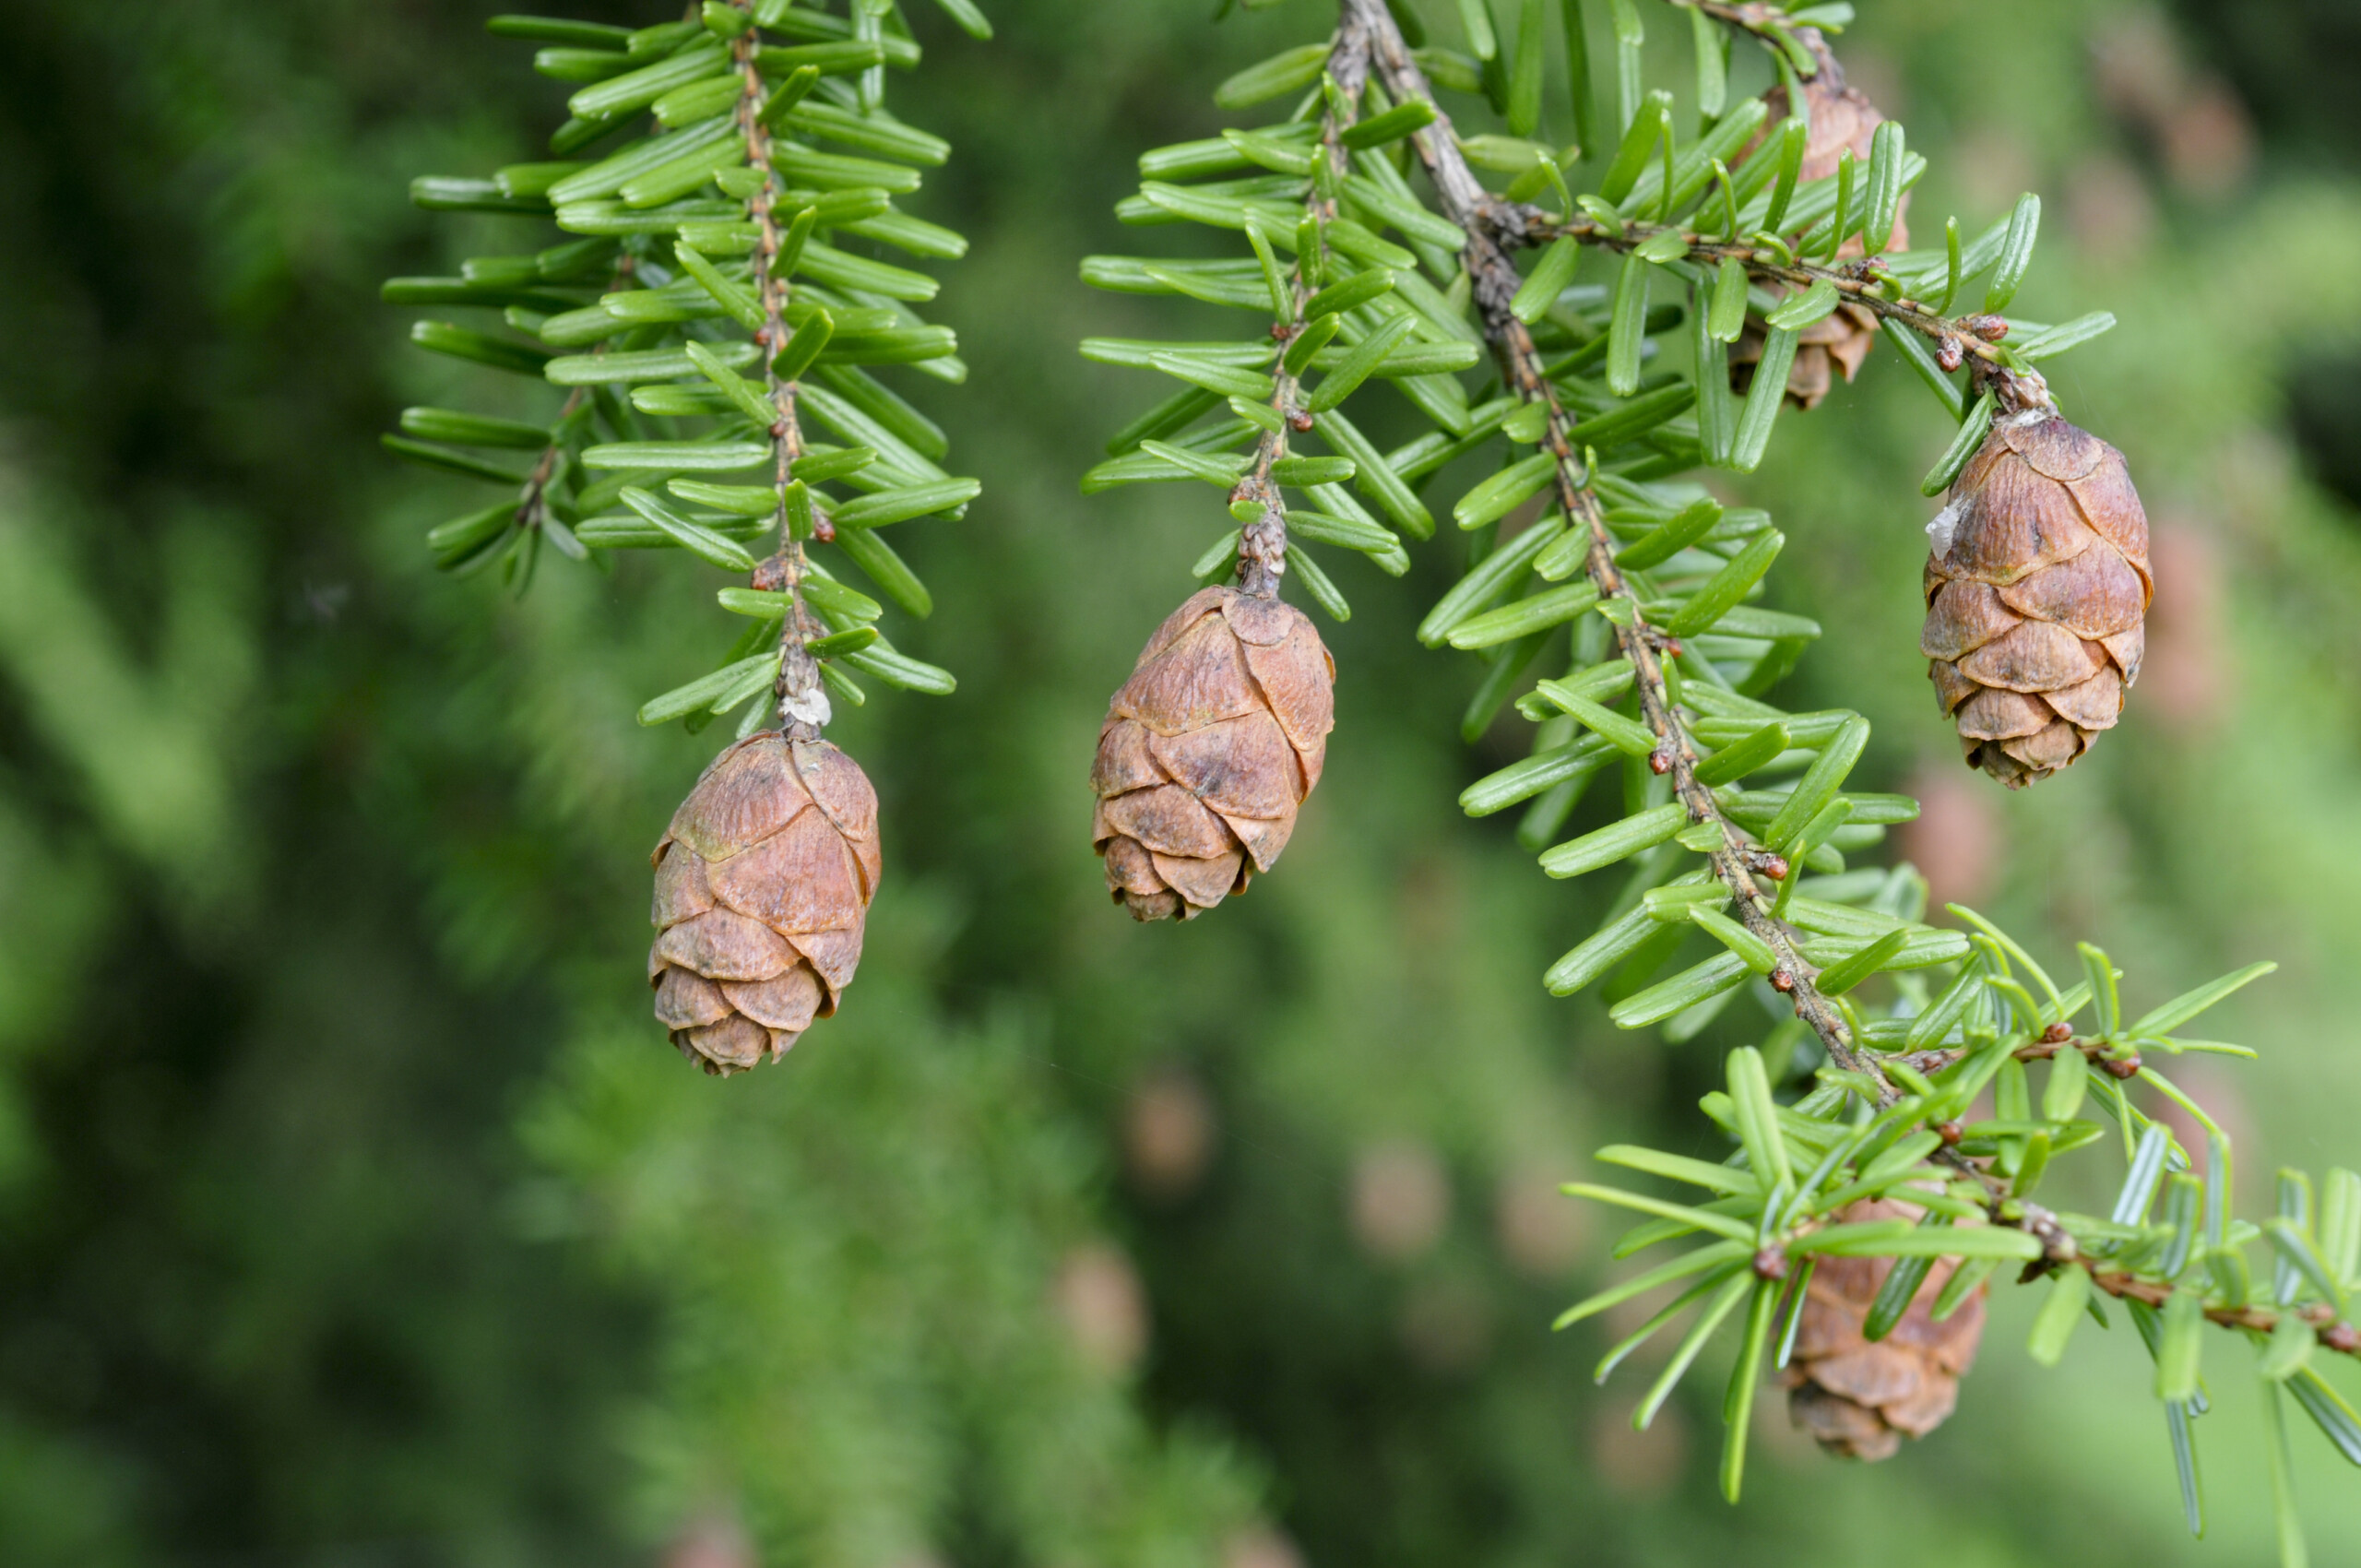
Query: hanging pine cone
pixel 1842 116
pixel 762 883
pixel 1861 1398
pixel 1208 750
pixel 2037 583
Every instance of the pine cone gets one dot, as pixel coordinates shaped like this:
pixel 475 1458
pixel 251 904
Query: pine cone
pixel 2036 584
pixel 763 882
pixel 1842 116
pixel 1859 1398
pixel 1208 750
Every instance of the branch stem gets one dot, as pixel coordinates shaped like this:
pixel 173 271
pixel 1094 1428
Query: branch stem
pixel 1263 543
pixel 533 505
pixel 1495 281
pixel 803 703
pixel 1765 23
pixel 2330 1334
pixel 1860 281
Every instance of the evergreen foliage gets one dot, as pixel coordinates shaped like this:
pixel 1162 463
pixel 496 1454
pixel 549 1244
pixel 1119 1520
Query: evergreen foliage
pixel 316 879
pixel 1591 418
pixel 765 155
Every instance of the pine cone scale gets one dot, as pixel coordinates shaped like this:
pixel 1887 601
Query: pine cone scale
pixel 1204 883
pixel 1208 752
pixel 833 955
pixel 1262 837
pixel 2029 523
pixel 2112 507
pixel 1166 820
pixel 2095 703
pixel 783 1002
pixel 800 878
pixel 688 1001
pixel 1200 678
pixel 1299 680
pixel 2093 595
pixel 1996 714
pixel 1964 617
pixel 733 1045
pixel 681 890
pixel 1876 1375
pixel 2055 449
pixel 744 798
pixel 2128 648
pixel 1131 869
pixel 2036 582
pixel 1952 688
pixel 838 788
pixel 1241 767
pixel 1923 1411
pixel 2033 655
pixel 1125 761
pixel 762 883
pixel 724 944
pixel 1843 1428
pixel 2051 747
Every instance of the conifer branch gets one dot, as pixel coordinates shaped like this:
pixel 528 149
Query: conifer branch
pixel 2329 1331
pixel 1766 23
pixel 1864 282
pixel 804 705
pixel 1736 862
pixel 1263 543
pixel 1818 1177
pixel 533 506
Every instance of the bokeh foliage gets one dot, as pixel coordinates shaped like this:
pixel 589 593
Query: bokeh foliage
pixel 354 1211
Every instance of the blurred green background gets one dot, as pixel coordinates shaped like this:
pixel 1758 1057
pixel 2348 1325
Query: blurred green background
pixel 352 1210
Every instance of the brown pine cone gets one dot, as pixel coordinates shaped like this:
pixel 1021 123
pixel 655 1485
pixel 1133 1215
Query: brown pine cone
pixel 2036 584
pixel 1208 750
pixel 762 884
pixel 1841 117
pixel 1861 1398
